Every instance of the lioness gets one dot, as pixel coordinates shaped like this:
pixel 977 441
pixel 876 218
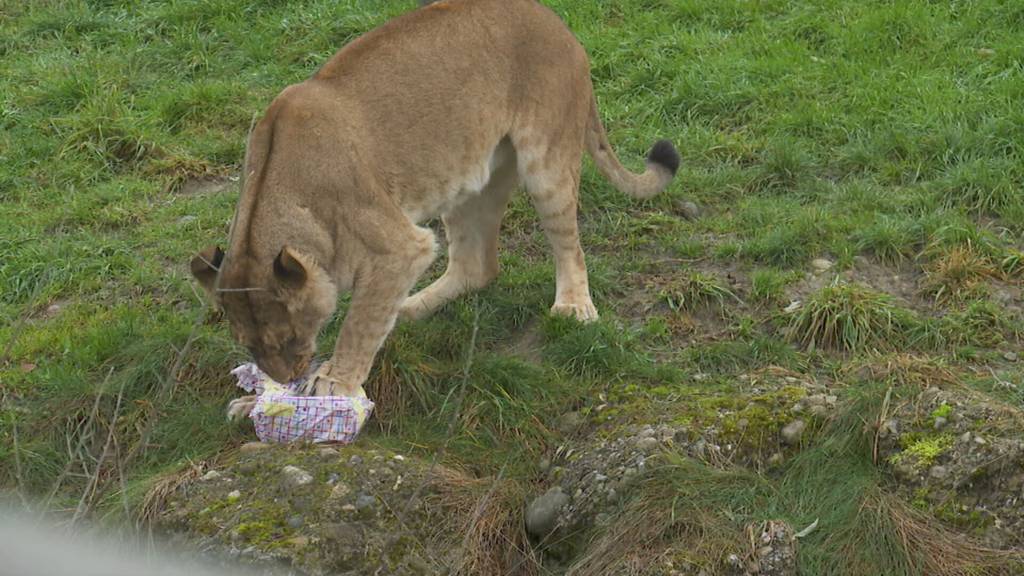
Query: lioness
pixel 443 111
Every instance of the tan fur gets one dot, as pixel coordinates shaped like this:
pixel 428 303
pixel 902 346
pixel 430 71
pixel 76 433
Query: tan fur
pixel 441 112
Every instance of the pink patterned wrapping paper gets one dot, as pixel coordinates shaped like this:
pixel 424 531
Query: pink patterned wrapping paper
pixel 281 416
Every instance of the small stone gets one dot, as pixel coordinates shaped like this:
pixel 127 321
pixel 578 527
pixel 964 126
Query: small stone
pixel 647 444
pixel 568 422
pixel 328 452
pixel 339 491
pixel 980 441
pixel 251 447
pixel 398 458
pixel 187 219
pixel 348 508
pixel 819 411
pixel 905 471
pixel 295 521
pixel 211 476
pixel 1010 356
pixel 332 478
pixel 891 427
pixel 821 264
pixel 940 422
pixel 295 477
pixel 775 460
pixel 298 542
pixel 544 465
pixel 365 501
pixel 234 495
pixel 793 306
pixel 792 432
pixel 816 400
pixel 965 437
pixel 542 513
pixel 688 210
pixel 938 472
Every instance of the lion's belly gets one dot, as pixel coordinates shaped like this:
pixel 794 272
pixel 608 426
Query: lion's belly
pixel 451 191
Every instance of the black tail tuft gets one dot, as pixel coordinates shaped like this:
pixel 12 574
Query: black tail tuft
pixel 664 154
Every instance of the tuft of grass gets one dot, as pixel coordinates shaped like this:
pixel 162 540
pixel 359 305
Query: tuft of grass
pixel 847 318
pixel 985 186
pixel 694 290
pixel 891 240
pixel 784 165
pixel 768 285
pixel 959 274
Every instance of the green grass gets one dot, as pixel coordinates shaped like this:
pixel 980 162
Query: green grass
pixel 891 131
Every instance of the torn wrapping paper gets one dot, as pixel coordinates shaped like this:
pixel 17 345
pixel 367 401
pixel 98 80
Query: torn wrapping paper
pixel 281 416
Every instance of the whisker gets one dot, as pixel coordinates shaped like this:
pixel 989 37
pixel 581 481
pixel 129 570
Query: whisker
pixel 241 289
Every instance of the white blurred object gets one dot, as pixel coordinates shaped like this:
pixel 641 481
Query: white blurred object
pixel 32 547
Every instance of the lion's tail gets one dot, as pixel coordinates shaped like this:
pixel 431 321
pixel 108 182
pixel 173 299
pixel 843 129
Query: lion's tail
pixel 662 161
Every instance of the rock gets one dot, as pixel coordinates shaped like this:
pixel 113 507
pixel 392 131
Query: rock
pixel 819 411
pixel 816 400
pixel 648 444
pixel 355 460
pixel 365 501
pixel 542 513
pixel 568 422
pixel 904 470
pixel 775 460
pixel 252 447
pixel 295 521
pixel 965 437
pixel 792 432
pixel 211 476
pixel 1010 356
pixel 327 452
pixel 980 441
pixel 940 422
pixel 234 495
pixel 821 264
pixel 688 210
pixel 938 472
pixel 544 465
pixel 342 533
pixel 295 477
pixel 339 491
pixel 187 219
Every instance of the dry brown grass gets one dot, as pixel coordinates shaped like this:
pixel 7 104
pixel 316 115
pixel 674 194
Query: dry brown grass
pixel 959 274
pixel 935 550
pixel 648 534
pixel 488 513
pixel 904 369
pixel 156 497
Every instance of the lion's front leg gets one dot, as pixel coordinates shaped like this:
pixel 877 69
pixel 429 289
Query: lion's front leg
pixel 376 298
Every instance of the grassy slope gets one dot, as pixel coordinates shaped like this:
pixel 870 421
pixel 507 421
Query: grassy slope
pixel 807 129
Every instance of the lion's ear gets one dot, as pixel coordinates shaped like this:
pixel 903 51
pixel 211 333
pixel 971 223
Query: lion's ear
pixel 206 265
pixel 290 268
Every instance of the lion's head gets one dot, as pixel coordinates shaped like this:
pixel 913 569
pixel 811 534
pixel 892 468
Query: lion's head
pixel 275 309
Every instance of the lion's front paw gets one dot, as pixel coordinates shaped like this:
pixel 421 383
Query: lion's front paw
pixel 241 407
